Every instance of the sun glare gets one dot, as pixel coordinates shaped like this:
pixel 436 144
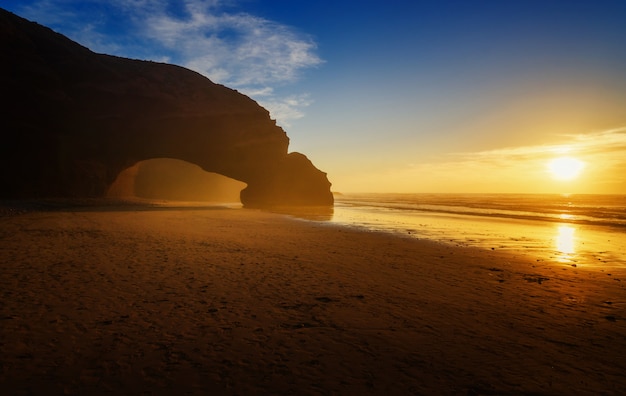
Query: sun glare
pixel 565 168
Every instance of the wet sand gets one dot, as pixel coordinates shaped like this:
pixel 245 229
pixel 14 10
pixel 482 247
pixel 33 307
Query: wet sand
pixel 144 300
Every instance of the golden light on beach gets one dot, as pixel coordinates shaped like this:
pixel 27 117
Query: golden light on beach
pixel 565 239
pixel 565 243
pixel 565 168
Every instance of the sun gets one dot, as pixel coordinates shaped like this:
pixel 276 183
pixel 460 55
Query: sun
pixel 565 168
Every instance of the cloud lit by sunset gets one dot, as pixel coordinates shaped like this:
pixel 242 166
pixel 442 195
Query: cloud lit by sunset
pixel 516 170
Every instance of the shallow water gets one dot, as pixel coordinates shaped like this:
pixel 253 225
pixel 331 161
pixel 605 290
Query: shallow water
pixel 582 230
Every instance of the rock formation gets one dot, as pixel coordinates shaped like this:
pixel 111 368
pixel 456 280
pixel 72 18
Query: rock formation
pixel 72 120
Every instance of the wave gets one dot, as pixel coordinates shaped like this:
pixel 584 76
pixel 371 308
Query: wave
pixel 592 209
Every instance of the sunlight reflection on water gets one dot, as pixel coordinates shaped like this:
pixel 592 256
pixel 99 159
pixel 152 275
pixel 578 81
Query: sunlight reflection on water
pixel 569 244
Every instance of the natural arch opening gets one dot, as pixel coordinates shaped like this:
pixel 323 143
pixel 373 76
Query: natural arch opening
pixel 175 180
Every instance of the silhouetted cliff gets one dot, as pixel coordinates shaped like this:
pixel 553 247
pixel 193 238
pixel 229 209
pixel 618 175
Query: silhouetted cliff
pixel 73 120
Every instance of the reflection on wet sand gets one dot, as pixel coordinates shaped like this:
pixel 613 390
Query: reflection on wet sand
pixel 565 243
pixel 316 213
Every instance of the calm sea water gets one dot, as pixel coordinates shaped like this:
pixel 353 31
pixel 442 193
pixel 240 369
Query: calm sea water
pixel 581 230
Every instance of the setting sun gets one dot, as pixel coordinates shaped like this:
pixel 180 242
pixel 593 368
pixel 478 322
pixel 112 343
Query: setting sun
pixel 565 168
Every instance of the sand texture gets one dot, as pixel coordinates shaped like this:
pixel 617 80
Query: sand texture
pixel 219 301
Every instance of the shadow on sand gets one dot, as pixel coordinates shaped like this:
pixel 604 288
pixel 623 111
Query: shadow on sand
pixel 17 207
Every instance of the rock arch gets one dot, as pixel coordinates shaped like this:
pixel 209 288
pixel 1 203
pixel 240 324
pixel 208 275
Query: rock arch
pixel 174 180
pixel 75 119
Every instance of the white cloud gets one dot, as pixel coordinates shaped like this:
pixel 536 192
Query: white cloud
pixel 286 109
pixel 260 92
pixel 239 50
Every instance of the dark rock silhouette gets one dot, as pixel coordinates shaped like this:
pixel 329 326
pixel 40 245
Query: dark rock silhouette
pixel 72 120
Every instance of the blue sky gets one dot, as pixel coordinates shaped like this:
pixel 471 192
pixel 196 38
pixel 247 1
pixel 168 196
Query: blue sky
pixel 421 96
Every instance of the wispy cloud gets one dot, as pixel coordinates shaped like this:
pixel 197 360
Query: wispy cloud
pixel 517 169
pixel 581 145
pixel 286 108
pixel 234 48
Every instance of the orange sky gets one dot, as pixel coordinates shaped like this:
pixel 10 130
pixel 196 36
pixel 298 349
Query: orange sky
pixel 521 169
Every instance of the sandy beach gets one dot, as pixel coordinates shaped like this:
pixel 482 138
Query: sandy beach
pixel 221 301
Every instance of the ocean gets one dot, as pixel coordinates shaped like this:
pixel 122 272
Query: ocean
pixel 578 230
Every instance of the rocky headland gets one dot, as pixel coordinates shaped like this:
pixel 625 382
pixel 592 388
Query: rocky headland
pixel 74 119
